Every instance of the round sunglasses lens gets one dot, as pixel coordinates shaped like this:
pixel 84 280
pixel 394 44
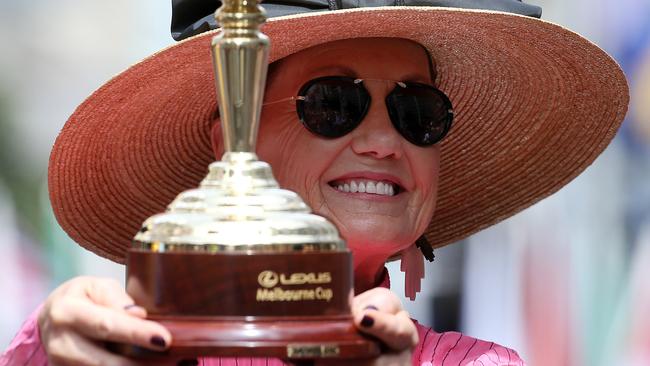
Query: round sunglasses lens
pixel 332 107
pixel 420 113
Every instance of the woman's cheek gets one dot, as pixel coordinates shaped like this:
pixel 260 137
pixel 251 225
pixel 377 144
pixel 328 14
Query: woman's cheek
pixel 282 145
pixel 300 171
pixel 428 209
pixel 424 211
pixel 274 139
pixel 425 167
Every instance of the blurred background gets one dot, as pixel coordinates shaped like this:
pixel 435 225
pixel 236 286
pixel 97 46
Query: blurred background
pixel 568 279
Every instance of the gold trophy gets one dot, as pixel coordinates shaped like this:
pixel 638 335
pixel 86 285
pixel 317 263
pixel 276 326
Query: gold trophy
pixel 238 266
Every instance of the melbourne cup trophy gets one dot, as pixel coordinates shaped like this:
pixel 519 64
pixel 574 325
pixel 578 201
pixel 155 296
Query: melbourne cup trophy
pixel 238 266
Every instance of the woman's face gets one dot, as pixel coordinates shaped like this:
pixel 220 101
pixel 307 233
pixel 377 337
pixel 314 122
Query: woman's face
pixel 374 152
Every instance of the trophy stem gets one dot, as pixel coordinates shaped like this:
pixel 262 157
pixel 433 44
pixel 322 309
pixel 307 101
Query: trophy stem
pixel 240 59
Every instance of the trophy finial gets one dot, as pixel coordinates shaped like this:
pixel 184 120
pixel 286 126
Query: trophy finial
pixel 240 58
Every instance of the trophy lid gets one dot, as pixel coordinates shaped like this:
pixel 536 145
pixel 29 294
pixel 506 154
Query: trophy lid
pixel 239 206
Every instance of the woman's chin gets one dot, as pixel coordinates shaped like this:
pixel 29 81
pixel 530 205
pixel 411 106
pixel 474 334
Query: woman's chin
pixel 384 227
pixel 375 241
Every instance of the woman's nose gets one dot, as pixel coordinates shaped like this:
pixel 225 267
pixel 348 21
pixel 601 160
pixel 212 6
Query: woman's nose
pixel 376 136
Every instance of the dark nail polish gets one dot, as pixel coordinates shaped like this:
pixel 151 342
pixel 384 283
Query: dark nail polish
pixel 188 362
pixel 370 307
pixel 158 341
pixel 367 321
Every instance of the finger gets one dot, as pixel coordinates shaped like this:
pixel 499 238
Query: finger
pixel 396 331
pixel 73 349
pixel 102 323
pixel 104 291
pixel 380 299
pixel 136 310
pixel 109 293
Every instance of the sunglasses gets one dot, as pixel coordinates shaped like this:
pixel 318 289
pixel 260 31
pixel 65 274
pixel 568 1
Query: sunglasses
pixel 333 106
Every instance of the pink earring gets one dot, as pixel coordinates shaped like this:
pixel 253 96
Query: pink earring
pixel 413 266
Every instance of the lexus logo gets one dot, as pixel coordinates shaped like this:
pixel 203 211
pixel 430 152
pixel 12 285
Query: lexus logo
pixel 268 279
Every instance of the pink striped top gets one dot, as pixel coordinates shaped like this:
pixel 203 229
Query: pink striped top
pixel 434 349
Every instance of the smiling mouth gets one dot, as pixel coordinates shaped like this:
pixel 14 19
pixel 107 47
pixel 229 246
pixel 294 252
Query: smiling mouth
pixel 369 186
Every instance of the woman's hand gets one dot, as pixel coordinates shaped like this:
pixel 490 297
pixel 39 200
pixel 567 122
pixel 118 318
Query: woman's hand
pixel 379 313
pixel 83 312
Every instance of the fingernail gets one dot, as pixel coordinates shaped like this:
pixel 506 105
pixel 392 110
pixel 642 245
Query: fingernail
pixel 370 307
pixel 158 341
pixel 135 310
pixel 134 307
pixel 189 362
pixel 367 321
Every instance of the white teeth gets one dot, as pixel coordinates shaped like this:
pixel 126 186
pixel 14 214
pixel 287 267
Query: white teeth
pixel 372 187
pixel 380 188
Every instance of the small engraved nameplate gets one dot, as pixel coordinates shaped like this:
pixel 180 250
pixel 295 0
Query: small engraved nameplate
pixel 312 350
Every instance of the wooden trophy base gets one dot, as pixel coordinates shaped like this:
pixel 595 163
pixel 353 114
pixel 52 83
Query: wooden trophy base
pixel 293 306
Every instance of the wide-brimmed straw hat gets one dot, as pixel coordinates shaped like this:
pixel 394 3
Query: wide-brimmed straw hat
pixel 534 104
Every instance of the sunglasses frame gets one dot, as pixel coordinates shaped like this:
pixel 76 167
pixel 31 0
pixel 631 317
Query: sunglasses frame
pixel 300 100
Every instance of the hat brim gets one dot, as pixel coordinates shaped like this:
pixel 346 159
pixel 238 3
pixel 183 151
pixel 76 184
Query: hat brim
pixel 535 104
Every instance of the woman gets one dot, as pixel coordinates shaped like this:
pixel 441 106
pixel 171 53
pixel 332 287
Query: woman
pixel 508 149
